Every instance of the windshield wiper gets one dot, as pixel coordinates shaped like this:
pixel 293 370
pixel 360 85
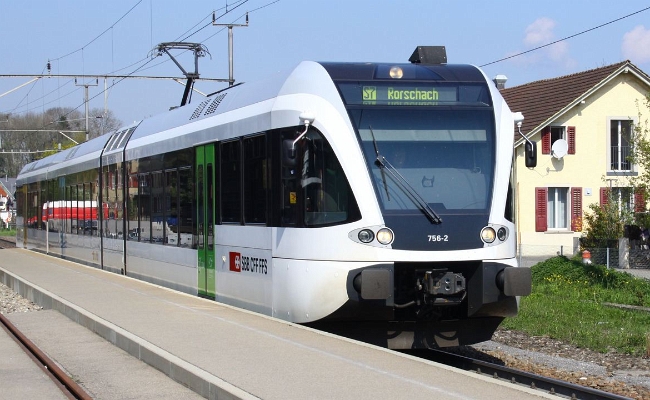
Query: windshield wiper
pixel 403 184
pixel 383 176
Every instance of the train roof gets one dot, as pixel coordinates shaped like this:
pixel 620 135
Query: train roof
pixel 217 115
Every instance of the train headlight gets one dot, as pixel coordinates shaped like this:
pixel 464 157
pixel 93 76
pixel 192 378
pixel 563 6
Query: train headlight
pixel 396 73
pixel 366 236
pixel 502 234
pixel 385 236
pixel 488 234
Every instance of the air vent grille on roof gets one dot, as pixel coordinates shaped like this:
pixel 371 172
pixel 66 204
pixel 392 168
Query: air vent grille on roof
pixel 72 153
pixel 199 109
pixel 119 139
pixel 215 103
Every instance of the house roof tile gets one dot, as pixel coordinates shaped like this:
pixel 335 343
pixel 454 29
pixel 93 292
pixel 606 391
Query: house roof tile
pixel 540 100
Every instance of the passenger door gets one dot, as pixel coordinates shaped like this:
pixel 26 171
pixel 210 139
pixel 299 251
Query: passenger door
pixel 205 178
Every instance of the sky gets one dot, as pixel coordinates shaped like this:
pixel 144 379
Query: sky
pixel 80 37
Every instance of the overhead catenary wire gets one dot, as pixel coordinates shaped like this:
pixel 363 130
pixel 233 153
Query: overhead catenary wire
pixel 141 67
pixel 565 38
pixel 237 4
pixel 98 36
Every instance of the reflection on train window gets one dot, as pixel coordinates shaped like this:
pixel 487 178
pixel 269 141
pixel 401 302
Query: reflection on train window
pixel 132 207
pixel 145 207
pixel 157 206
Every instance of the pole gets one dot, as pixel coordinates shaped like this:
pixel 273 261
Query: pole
pixel 85 85
pixel 231 74
pixel 231 79
pixel 87 110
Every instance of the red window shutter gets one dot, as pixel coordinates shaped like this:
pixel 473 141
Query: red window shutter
pixel 541 199
pixel 639 200
pixel 546 140
pixel 576 209
pixel 571 139
pixel 604 196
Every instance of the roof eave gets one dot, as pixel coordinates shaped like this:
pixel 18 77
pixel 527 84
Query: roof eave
pixel 625 68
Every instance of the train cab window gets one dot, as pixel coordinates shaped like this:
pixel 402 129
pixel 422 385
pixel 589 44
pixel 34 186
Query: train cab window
pixel 326 193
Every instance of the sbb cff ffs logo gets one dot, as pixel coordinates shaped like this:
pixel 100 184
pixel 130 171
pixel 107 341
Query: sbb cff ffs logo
pixel 235 261
pixel 239 263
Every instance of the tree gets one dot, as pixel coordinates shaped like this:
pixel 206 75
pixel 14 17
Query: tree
pixel 605 223
pixel 27 137
pixel 640 154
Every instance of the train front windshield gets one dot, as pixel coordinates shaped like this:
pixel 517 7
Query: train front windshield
pixel 432 168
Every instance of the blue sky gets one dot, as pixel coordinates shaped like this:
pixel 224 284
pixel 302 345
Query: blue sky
pixel 115 37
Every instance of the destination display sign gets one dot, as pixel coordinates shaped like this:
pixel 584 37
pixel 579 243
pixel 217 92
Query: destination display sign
pixel 410 94
pixel 425 94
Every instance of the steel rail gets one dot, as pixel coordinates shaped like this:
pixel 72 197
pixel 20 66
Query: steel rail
pixel 60 378
pixel 539 382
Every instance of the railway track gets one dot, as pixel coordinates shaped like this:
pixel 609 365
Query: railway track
pixel 554 386
pixel 67 386
pixel 6 242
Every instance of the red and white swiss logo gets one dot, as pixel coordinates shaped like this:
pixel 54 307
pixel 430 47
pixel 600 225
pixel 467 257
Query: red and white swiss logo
pixel 235 261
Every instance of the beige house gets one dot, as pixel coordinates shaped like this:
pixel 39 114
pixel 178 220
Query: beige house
pixel 582 124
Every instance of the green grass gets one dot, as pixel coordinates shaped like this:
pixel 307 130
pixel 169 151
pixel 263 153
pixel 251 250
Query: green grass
pixel 8 232
pixel 568 303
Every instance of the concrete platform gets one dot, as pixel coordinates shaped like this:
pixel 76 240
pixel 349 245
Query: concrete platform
pixel 224 353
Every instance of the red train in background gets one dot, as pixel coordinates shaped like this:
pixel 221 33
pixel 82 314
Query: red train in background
pixel 70 216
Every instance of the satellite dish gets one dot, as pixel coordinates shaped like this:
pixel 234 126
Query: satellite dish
pixel 559 149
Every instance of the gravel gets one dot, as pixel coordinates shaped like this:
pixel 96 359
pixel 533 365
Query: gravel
pixel 612 372
pixel 11 302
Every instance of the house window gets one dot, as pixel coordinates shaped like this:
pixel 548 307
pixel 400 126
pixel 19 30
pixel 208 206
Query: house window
pixel 557 132
pixel 625 198
pixel 628 199
pixel 551 134
pixel 558 208
pixel 620 132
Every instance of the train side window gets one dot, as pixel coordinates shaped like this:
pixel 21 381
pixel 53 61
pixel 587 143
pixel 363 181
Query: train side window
pixel 255 179
pixel 133 219
pixel 43 197
pixel 157 208
pixel 144 184
pixel 230 181
pixel 171 213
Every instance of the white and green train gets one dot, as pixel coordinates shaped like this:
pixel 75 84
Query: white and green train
pixel 369 199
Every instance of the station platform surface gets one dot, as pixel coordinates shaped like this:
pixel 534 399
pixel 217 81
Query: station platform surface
pixel 221 352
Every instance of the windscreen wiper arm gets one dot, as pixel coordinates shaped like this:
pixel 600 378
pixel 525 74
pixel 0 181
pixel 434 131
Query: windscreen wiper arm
pixel 406 187
pixel 403 184
pixel 383 176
